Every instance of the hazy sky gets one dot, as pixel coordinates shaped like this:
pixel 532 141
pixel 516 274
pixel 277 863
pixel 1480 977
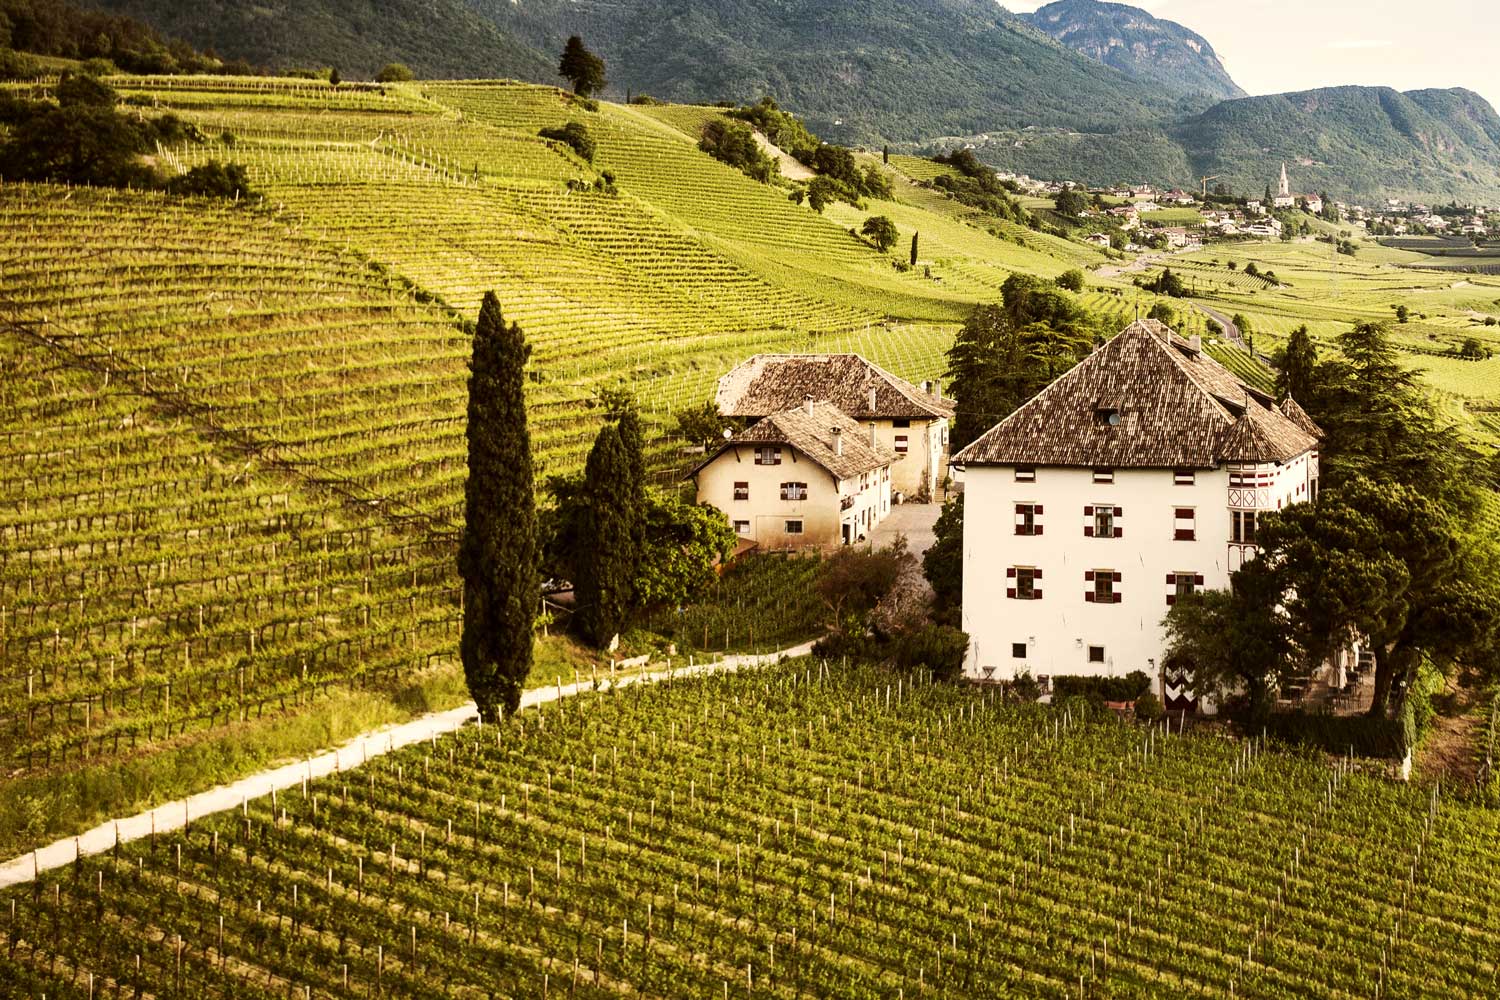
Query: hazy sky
pixel 1272 46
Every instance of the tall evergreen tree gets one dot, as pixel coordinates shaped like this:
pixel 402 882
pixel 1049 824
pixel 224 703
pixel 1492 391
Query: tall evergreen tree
pixel 581 68
pixel 498 554
pixel 606 572
pixel 914 238
pixel 1296 366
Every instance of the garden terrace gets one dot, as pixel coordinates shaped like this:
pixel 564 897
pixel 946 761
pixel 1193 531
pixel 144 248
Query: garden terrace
pixel 796 831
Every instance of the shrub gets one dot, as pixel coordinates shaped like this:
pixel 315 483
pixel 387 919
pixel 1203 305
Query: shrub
pixel 733 142
pixel 1072 280
pixel 574 135
pixel 1024 688
pixel 1339 734
pixel 212 180
pixel 881 231
pixel 394 73
pixel 1148 708
pixel 1127 688
pixel 938 648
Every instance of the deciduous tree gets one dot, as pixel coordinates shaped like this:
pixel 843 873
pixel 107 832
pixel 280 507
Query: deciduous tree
pixel 582 68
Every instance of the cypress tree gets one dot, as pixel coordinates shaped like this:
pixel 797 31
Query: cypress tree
pixel 914 237
pixel 606 574
pixel 498 555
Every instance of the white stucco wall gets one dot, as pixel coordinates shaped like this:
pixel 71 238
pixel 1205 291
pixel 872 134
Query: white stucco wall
pixel 765 513
pixel 1059 628
pixel 923 461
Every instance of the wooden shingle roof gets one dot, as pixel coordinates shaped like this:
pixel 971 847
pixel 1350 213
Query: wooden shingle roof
pixel 812 432
pixel 775 383
pixel 1146 399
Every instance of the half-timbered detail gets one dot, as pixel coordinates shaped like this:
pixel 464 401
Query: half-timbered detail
pixel 1147 433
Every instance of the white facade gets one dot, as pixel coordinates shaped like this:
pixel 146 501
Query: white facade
pixel 919 447
pixel 1167 529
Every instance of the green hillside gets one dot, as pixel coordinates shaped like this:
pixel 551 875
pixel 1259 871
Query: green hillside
pixel 1141 46
pixel 789 833
pixel 283 383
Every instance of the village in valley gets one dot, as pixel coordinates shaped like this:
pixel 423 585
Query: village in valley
pixel 496 501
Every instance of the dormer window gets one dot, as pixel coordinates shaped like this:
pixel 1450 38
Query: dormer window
pixel 1025 473
pixel 1104 475
pixel 1107 416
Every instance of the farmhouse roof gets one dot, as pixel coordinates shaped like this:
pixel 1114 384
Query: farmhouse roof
pixel 775 383
pixel 1146 399
pixel 821 431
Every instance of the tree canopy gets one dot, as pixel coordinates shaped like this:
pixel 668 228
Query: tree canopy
pixel 582 68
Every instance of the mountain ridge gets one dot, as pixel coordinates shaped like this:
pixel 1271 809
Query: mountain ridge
pixel 1140 45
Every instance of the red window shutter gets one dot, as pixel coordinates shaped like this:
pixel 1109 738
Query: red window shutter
pixel 1118 597
pixel 1010 592
pixel 1036 574
pixel 1183 535
pixel 1088 595
pixel 1037 510
pixel 1088 531
pixel 1117 578
pixel 1088 576
pixel 1088 512
pixel 1038 530
pixel 1119 531
pixel 1036 595
pixel 1011 573
pixel 1020 529
pixel 1184 514
pixel 1171 599
pixel 1198 580
pixel 1119 512
pixel 1171 578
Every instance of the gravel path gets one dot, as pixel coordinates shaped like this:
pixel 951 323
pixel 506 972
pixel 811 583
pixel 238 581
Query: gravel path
pixel 174 815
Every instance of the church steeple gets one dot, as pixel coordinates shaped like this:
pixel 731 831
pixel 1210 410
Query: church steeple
pixel 1286 185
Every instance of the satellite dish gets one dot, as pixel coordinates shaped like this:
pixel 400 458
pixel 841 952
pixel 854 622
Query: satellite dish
pixel 1114 418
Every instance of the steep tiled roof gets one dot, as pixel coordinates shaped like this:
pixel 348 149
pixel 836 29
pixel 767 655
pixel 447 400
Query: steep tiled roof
pixel 1174 407
pixel 812 433
pixel 1297 415
pixel 774 383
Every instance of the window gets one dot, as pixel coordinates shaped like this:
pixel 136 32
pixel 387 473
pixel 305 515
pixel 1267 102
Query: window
pixel 1023 583
pixel 1104 475
pixel 1183 585
pixel 1183 477
pixel 742 491
pixel 794 527
pixel 1108 416
pixel 1096 654
pixel 1184 524
pixel 742 527
pixel 1102 521
pixel 794 491
pixel 1244 527
pixel 767 454
pixel 901 446
pixel 1025 473
pixel 901 423
pixel 1018 650
pixel 1027 515
pixel 1103 590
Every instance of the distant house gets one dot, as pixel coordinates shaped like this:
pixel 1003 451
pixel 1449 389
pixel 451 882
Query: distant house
pixel 1131 481
pixel 1254 206
pixel 809 477
pixel 1314 203
pixel 1097 239
pixel 1179 197
pixel 910 421
pixel 1178 237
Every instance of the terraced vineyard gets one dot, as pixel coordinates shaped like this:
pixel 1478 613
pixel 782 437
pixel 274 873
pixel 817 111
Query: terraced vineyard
pixel 798 832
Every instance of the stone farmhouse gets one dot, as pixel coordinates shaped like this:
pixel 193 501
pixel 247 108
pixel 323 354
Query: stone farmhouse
pixel 911 422
pixel 807 477
pixel 1132 480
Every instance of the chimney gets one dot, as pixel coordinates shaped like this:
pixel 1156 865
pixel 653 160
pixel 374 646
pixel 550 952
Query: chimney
pixel 807 404
pixel 1195 343
pixel 872 434
pixel 838 442
pixel 926 386
pixel 872 400
pixel 937 388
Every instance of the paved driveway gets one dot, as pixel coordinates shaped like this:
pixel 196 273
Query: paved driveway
pixel 914 520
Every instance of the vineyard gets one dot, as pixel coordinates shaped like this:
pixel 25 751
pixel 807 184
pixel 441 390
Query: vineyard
pixel 802 831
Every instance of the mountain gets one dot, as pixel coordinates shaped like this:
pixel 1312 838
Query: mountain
pixel 1145 48
pixel 1360 143
pixel 884 70
pixel 436 38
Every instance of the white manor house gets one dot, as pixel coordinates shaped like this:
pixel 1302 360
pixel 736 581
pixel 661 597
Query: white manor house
pixel 1132 480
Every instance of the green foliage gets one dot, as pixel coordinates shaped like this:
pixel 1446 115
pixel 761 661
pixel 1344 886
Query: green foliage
pixel 702 425
pixel 915 238
pixel 498 553
pixel 784 129
pixel 1007 353
pixel 943 563
pixel 78 90
pixel 823 191
pixel 56 28
pixel 80 144
pixel 733 142
pixel 1296 365
pixel 395 72
pixel 212 180
pixel 682 544
pixel 574 135
pixel 1071 280
pixel 853 580
pixel 1403 314
pixel 1148 708
pixel 1071 203
pixel 1117 689
pixel 940 649
pixel 582 68
pixel 1360 735
pixel 881 231
pixel 1169 284
pixel 604 582
pixel 1235 640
